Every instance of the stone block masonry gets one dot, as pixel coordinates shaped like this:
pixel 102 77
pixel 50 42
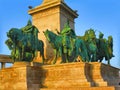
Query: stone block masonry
pixel 68 76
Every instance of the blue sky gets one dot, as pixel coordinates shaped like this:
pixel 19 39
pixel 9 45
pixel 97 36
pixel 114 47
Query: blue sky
pixel 101 15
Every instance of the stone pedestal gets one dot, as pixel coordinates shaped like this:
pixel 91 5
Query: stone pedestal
pixel 66 75
pixel 20 78
pixel 13 79
pixel 69 76
pixel 96 74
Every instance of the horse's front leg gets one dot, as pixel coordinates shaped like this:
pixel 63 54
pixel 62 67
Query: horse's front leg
pixel 55 58
pixel 42 54
pixel 66 58
pixel 108 61
pixel 34 54
pixel 43 58
pixel 94 57
pixel 22 54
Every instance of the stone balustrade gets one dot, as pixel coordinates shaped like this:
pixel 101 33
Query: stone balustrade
pixel 4 59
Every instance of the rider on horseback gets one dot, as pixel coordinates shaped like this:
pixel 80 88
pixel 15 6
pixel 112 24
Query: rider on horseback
pixel 31 31
pixel 68 39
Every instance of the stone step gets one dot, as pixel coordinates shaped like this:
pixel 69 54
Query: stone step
pixel 98 84
pixel 67 83
pixel 84 88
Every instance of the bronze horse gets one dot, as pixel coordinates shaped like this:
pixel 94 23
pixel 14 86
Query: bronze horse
pixel 77 45
pixel 23 48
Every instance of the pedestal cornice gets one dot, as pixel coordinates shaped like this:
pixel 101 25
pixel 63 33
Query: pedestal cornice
pixel 45 6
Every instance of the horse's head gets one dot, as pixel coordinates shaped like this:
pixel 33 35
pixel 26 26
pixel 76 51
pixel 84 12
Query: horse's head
pixel 9 43
pixel 49 35
pixel 46 33
pixel 13 33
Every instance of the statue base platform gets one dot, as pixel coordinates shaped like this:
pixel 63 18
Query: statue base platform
pixel 68 76
pixel 85 88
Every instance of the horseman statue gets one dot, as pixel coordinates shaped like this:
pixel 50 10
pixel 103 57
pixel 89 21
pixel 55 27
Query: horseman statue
pixel 67 45
pixel 68 40
pixel 105 48
pixel 24 43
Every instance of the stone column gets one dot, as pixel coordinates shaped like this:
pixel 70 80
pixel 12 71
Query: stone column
pixel 2 65
pixel 52 15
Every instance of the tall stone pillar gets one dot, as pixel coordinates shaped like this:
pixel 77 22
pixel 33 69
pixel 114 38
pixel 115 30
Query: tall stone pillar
pixel 52 15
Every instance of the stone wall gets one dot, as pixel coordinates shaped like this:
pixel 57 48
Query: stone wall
pixel 13 78
pixel 102 72
pixel 68 75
